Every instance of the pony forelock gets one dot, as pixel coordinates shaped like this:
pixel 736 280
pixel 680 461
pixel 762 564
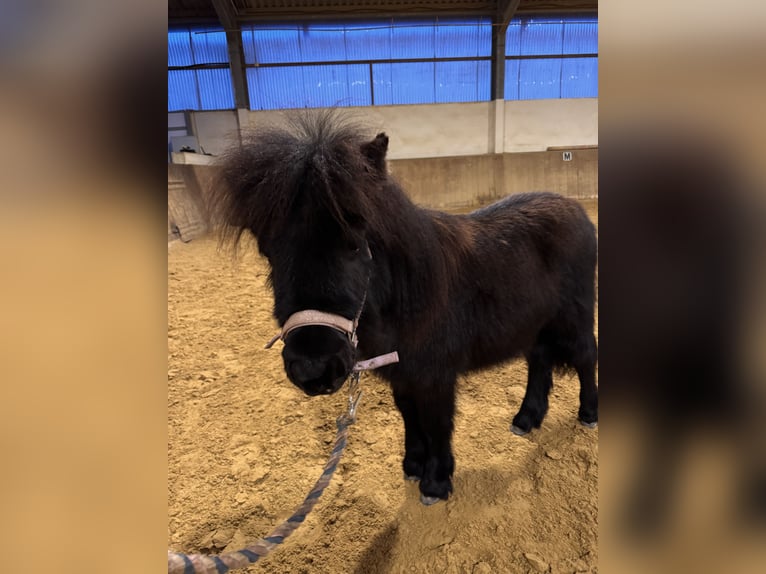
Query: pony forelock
pixel 313 158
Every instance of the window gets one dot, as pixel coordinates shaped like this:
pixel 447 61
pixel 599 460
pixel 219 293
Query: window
pixel 551 57
pixel 384 62
pixel 199 77
pixel 372 63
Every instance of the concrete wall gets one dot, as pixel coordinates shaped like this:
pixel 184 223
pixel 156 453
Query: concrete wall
pixel 187 186
pixel 215 131
pixel 459 182
pixel 439 130
pixel 453 155
pixel 535 125
pixel 468 181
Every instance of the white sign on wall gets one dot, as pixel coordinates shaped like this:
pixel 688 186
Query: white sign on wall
pixel 567 155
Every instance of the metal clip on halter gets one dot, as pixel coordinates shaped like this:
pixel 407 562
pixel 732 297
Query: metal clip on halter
pixel 354 395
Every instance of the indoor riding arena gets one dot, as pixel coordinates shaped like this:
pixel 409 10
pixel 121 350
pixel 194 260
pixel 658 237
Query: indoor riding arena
pixel 480 100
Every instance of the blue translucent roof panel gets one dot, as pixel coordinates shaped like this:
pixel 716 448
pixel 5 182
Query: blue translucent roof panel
pixel 275 88
pixel 322 43
pixel 513 38
pixel 579 78
pixel 182 90
pixel 581 37
pixel 485 81
pixel 368 41
pixel 485 38
pixel 539 36
pixel 215 89
pixel 179 48
pixel 415 39
pixel 309 86
pixel 462 81
pixel 512 79
pixel 272 45
pixel 542 36
pixel 540 79
pixel 408 83
pixel 463 38
pixel 383 89
pixel 336 85
pixel 209 46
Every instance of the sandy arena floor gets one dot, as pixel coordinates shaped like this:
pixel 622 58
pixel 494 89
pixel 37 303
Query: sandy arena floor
pixel 245 446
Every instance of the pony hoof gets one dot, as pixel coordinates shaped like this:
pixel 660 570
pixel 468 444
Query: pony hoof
pixel 411 477
pixel 592 425
pixel 517 431
pixel 429 500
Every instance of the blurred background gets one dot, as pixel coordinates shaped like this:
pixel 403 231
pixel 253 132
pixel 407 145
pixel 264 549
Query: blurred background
pixel 682 324
pixel 682 315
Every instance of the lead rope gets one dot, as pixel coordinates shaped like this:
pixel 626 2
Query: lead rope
pixel 179 563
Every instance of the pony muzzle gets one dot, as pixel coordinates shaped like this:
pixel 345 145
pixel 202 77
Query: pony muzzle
pixel 319 350
pixel 318 360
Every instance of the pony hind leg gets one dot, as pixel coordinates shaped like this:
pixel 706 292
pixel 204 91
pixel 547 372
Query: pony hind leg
pixel 539 382
pixel 584 363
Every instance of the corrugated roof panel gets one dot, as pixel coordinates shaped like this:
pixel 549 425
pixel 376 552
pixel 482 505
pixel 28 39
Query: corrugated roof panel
pixel 540 79
pixel 459 39
pixel 417 40
pixel 581 37
pixel 412 83
pixel 323 43
pixel 254 89
pixel 309 86
pixel 512 79
pixel 215 89
pixel 182 90
pixel 579 78
pixel 485 38
pixel 276 88
pixel 513 38
pixel 383 88
pixel 274 45
pixel 209 46
pixel 485 81
pixel 179 48
pixel 329 86
pixel 359 88
pixel 461 81
pixel 542 36
pixel 368 41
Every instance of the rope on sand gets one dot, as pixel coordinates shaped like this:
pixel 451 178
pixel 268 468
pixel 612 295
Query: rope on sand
pixel 179 563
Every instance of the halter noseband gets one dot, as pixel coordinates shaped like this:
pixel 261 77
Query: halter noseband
pixel 339 323
pixel 315 317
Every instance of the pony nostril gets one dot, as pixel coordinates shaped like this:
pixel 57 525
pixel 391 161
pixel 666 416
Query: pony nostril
pixel 302 370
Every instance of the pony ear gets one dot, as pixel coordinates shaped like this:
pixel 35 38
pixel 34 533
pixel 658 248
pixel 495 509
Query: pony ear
pixel 375 151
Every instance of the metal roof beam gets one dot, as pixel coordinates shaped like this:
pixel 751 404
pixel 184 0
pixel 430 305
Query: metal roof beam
pixel 505 11
pixel 227 14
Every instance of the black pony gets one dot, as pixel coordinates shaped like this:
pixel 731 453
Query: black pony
pixel 450 293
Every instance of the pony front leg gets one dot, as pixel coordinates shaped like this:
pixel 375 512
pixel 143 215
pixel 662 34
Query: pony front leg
pixel 436 410
pixel 414 440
